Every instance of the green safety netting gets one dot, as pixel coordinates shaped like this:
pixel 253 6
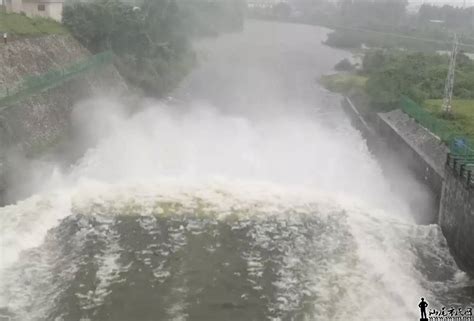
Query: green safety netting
pixel 34 84
pixel 456 141
pixel 461 157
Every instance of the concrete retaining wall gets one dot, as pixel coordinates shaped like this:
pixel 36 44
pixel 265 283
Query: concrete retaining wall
pixel 419 150
pixel 456 218
pixel 41 121
pixel 426 156
pixel 424 153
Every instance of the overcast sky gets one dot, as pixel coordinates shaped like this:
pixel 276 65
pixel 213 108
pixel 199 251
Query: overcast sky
pixel 442 2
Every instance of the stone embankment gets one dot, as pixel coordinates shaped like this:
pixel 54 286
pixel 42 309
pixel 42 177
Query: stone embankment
pixel 38 122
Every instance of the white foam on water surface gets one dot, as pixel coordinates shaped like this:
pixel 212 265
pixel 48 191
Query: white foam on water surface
pixel 240 202
pixel 239 167
pixel 203 163
pixel 24 225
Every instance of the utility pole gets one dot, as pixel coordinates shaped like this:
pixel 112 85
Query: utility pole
pixel 449 85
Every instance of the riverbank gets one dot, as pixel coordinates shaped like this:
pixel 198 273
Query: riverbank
pixel 421 139
pixel 385 77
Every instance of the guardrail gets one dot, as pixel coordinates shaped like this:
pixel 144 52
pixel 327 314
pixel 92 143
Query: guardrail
pixel 463 167
pixel 35 84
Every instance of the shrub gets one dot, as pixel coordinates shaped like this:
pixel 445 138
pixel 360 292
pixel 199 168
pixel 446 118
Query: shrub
pixel 344 65
pixel 152 45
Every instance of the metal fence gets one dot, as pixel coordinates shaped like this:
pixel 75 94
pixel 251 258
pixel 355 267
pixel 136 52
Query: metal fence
pixel 456 141
pixel 463 167
pixel 461 156
pixel 33 84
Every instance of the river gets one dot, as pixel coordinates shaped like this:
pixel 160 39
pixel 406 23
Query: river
pixel 251 199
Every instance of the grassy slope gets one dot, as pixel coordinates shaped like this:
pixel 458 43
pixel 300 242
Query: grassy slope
pixel 21 25
pixel 463 114
pixel 343 82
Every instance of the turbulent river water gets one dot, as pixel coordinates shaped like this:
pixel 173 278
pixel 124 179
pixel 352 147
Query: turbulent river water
pixel 252 199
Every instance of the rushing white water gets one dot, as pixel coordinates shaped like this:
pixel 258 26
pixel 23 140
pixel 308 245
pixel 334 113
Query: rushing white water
pixel 263 177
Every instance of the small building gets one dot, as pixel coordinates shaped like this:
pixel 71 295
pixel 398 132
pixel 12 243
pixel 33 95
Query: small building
pixel 36 8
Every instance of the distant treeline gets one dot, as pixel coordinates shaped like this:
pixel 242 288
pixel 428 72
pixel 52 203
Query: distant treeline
pixel 451 17
pixel 388 24
pixel 381 23
pixel 152 41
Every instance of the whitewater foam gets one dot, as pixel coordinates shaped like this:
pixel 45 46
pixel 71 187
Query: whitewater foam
pixel 273 191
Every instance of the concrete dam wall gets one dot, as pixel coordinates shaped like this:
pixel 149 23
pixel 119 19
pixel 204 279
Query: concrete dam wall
pixel 424 152
pixel 426 155
pixel 420 151
pixel 456 217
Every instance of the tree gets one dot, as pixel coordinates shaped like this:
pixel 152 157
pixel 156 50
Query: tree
pixel 373 61
pixel 344 65
pixel 282 10
pixel 383 14
pixel 151 45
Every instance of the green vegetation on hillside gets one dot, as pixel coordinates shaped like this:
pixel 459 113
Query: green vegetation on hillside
pixel 419 76
pixel 344 82
pixel 387 76
pixel 151 42
pixel 21 25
